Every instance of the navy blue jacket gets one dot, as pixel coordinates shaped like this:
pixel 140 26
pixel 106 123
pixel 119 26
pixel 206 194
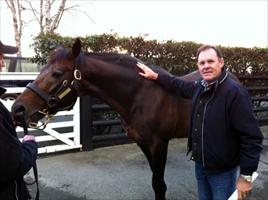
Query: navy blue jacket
pixel 231 135
pixel 16 159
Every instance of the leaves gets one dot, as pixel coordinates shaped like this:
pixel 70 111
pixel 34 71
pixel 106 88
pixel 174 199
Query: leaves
pixel 176 57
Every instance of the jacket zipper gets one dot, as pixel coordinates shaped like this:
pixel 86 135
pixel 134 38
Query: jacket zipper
pixel 16 191
pixel 202 142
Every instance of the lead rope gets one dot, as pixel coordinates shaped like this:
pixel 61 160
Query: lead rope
pixel 25 129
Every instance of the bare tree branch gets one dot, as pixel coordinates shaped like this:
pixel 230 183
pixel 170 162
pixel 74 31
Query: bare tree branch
pixel 85 13
pixel 58 16
pixel 35 13
pixel 52 2
pixel 8 4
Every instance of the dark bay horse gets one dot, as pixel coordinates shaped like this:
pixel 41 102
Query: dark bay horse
pixel 151 115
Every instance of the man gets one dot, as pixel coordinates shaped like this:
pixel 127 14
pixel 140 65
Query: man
pixel 16 158
pixel 224 137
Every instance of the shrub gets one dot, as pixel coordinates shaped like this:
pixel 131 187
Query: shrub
pixel 176 57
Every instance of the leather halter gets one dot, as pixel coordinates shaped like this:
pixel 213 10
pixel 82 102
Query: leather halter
pixel 52 100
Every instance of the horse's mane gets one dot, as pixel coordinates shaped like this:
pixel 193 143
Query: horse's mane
pixel 124 59
pixel 62 53
pixel 113 57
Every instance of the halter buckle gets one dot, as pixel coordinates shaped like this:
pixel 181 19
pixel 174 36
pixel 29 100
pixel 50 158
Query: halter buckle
pixel 77 75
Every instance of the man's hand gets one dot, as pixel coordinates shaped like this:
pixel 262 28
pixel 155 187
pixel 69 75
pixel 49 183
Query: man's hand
pixel 243 187
pixel 147 72
pixel 28 138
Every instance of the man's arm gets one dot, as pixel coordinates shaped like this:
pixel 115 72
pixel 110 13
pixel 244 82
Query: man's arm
pixel 245 124
pixel 29 154
pixel 174 84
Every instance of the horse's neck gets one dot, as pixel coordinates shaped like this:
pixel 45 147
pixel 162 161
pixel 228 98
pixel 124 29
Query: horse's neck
pixel 112 84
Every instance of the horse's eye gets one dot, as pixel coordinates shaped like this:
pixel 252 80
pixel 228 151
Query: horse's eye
pixel 57 73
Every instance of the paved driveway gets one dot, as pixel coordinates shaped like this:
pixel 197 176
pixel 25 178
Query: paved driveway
pixel 122 172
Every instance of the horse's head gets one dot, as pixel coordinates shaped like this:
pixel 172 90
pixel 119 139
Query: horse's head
pixel 54 89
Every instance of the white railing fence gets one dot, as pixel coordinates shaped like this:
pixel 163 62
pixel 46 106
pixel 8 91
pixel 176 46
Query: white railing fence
pixel 61 133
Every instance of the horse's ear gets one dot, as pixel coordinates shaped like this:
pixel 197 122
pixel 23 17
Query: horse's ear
pixel 76 47
pixel 61 45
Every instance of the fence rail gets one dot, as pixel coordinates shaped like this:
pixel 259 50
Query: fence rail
pixel 258 88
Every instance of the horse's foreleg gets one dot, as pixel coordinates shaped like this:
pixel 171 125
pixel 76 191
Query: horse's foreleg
pixel 156 154
pixel 159 158
pixel 147 153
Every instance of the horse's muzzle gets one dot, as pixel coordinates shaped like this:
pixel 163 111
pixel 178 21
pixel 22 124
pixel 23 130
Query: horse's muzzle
pixel 19 114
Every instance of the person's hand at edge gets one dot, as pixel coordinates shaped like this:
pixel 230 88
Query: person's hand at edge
pixel 244 188
pixel 147 72
pixel 28 138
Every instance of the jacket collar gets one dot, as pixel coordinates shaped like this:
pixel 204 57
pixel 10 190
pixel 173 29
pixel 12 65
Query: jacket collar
pixel 209 86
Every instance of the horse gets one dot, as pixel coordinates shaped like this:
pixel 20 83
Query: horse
pixel 151 115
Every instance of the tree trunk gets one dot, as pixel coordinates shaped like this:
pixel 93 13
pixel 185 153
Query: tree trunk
pixel 47 16
pixel 16 9
pixel 41 17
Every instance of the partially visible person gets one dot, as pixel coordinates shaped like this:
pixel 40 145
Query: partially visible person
pixel 16 158
pixel 224 138
pixel 8 50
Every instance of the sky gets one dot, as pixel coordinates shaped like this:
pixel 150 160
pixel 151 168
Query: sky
pixel 226 23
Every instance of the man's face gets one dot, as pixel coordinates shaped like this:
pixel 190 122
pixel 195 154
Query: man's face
pixel 209 65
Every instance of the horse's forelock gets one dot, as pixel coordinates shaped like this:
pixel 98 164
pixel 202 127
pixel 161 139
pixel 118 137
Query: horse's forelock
pixel 59 54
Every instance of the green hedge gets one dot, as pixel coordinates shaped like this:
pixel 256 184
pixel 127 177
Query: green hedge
pixel 176 57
